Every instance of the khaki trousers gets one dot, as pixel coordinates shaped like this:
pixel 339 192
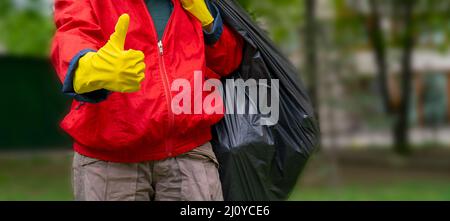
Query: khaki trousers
pixel 192 176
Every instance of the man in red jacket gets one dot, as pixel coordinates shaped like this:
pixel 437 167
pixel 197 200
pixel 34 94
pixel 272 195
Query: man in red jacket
pixel 118 59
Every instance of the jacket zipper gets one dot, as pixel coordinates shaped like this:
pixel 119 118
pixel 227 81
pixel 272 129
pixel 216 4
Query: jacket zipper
pixel 166 84
pixel 162 70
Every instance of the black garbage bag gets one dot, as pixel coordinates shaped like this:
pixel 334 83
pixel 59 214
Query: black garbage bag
pixel 263 161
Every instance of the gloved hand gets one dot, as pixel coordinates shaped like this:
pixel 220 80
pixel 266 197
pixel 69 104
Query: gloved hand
pixel 199 9
pixel 112 67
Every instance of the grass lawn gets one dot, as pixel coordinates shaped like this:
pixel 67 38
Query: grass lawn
pixel 47 177
pixel 379 176
pixel 43 177
pixel 415 190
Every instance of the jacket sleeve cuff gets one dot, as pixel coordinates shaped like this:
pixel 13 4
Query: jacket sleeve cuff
pixel 91 97
pixel 212 37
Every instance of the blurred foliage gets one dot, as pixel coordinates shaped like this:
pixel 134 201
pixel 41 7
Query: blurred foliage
pixel 431 19
pixel 25 27
pixel 431 31
pixel 282 18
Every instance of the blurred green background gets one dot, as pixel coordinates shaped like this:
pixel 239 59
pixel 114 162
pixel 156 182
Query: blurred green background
pixel 378 72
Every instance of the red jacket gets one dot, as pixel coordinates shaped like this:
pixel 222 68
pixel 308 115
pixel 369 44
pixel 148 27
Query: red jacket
pixel 135 127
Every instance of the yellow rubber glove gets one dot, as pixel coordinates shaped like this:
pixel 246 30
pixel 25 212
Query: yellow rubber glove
pixel 112 67
pixel 199 9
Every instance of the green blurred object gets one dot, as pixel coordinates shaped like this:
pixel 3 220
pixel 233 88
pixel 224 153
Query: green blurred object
pixel 26 27
pixel 435 97
pixel 413 113
pixel 32 105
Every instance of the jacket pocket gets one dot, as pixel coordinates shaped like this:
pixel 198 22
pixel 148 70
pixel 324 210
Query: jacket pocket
pixel 110 125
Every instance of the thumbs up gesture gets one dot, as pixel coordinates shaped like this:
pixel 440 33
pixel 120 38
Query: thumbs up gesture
pixel 112 67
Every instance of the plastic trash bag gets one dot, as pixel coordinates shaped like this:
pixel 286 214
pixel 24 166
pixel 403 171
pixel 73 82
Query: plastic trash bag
pixel 263 161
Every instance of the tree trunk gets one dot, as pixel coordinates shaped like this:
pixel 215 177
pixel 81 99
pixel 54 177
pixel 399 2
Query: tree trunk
pixel 378 43
pixel 310 53
pixel 401 130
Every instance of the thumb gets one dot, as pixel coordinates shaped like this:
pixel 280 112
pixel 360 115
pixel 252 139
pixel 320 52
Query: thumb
pixel 120 34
